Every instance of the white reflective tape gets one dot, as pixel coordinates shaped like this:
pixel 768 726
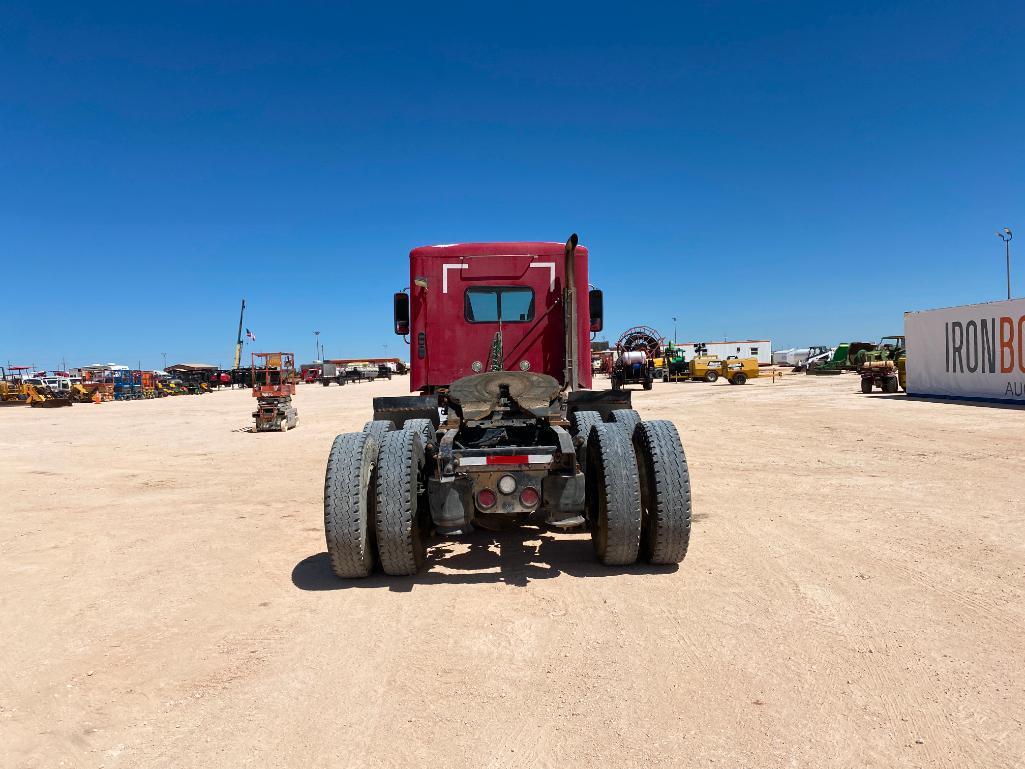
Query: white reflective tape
pixel 532 459
pixel 444 274
pixel 550 266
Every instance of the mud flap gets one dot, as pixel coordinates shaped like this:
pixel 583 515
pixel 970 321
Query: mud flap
pixel 563 493
pixel 400 408
pixel 451 502
pixel 602 401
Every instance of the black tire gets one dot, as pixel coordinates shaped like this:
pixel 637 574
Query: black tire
pixel 613 496
pixel 665 492
pixel 580 425
pixel 580 422
pixel 890 385
pixel 348 504
pixel 325 382
pixel 626 419
pixel 616 383
pixel 866 385
pixel 399 506
pixel 739 378
pixel 425 428
pixel 378 427
pixel 647 384
pixel 711 375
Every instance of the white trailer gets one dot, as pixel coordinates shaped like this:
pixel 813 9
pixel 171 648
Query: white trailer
pixel 743 348
pixel 971 352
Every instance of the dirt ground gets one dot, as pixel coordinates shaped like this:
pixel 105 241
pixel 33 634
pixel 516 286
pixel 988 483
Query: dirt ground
pixel 853 596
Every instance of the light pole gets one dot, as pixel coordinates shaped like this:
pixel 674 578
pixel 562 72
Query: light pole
pixel 1006 236
pixel 674 329
pixel 316 345
pixel 165 360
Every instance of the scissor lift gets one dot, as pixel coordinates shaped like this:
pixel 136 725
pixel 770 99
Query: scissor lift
pixel 273 388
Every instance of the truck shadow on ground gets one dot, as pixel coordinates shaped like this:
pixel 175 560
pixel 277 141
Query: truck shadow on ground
pixel 515 557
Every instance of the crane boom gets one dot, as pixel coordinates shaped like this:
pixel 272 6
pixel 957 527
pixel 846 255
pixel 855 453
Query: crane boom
pixel 238 342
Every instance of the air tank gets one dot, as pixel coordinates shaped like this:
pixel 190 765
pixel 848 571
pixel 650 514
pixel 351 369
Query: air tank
pixel 633 357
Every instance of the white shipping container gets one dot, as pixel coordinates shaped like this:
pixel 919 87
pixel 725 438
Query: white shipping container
pixel 972 352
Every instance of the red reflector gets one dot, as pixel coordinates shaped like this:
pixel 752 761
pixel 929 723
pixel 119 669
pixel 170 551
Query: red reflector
pixel 529 497
pixel 517 459
pixel 486 498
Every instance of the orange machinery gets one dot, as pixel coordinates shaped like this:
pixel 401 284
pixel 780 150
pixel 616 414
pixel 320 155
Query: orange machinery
pixel 273 387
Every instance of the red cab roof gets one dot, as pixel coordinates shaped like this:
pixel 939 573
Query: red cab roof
pixel 493 249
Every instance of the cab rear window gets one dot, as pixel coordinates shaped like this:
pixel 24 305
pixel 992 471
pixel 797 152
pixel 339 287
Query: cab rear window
pixel 489 304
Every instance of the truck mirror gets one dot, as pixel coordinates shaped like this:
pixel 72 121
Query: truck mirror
pixel 401 307
pixel 597 309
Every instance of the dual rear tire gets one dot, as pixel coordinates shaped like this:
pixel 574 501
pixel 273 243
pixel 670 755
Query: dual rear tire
pixel 374 501
pixel 638 498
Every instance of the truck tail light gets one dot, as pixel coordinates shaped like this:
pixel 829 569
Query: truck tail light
pixel 529 497
pixel 486 498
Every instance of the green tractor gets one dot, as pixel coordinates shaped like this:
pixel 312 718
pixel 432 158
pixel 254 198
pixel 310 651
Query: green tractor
pixel 843 358
pixel 889 348
pixel 880 367
pixel 674 363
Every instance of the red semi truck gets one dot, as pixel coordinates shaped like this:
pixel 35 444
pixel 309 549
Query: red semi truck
pixel 503 428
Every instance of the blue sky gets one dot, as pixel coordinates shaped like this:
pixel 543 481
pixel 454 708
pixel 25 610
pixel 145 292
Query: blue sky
pixel 801 171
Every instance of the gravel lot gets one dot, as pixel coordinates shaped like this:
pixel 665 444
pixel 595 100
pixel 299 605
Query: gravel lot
pixel 853 597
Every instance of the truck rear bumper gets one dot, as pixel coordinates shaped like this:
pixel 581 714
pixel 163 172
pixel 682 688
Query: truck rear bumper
pixel 454 502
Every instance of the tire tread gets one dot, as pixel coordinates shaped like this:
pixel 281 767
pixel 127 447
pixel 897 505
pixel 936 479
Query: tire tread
pixel 625 418
pixel 424 427
pixel 347 521
pixel 611 458
pixel 399 542
pixel 665 491
pixel 378 427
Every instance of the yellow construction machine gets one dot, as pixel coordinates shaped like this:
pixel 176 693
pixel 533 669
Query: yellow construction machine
pixel 41 396
pixel 85 393
pixel 705 367
pixel 738 370
pixel 12 389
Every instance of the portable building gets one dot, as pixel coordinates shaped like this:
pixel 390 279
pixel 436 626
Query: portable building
pixel 743 348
